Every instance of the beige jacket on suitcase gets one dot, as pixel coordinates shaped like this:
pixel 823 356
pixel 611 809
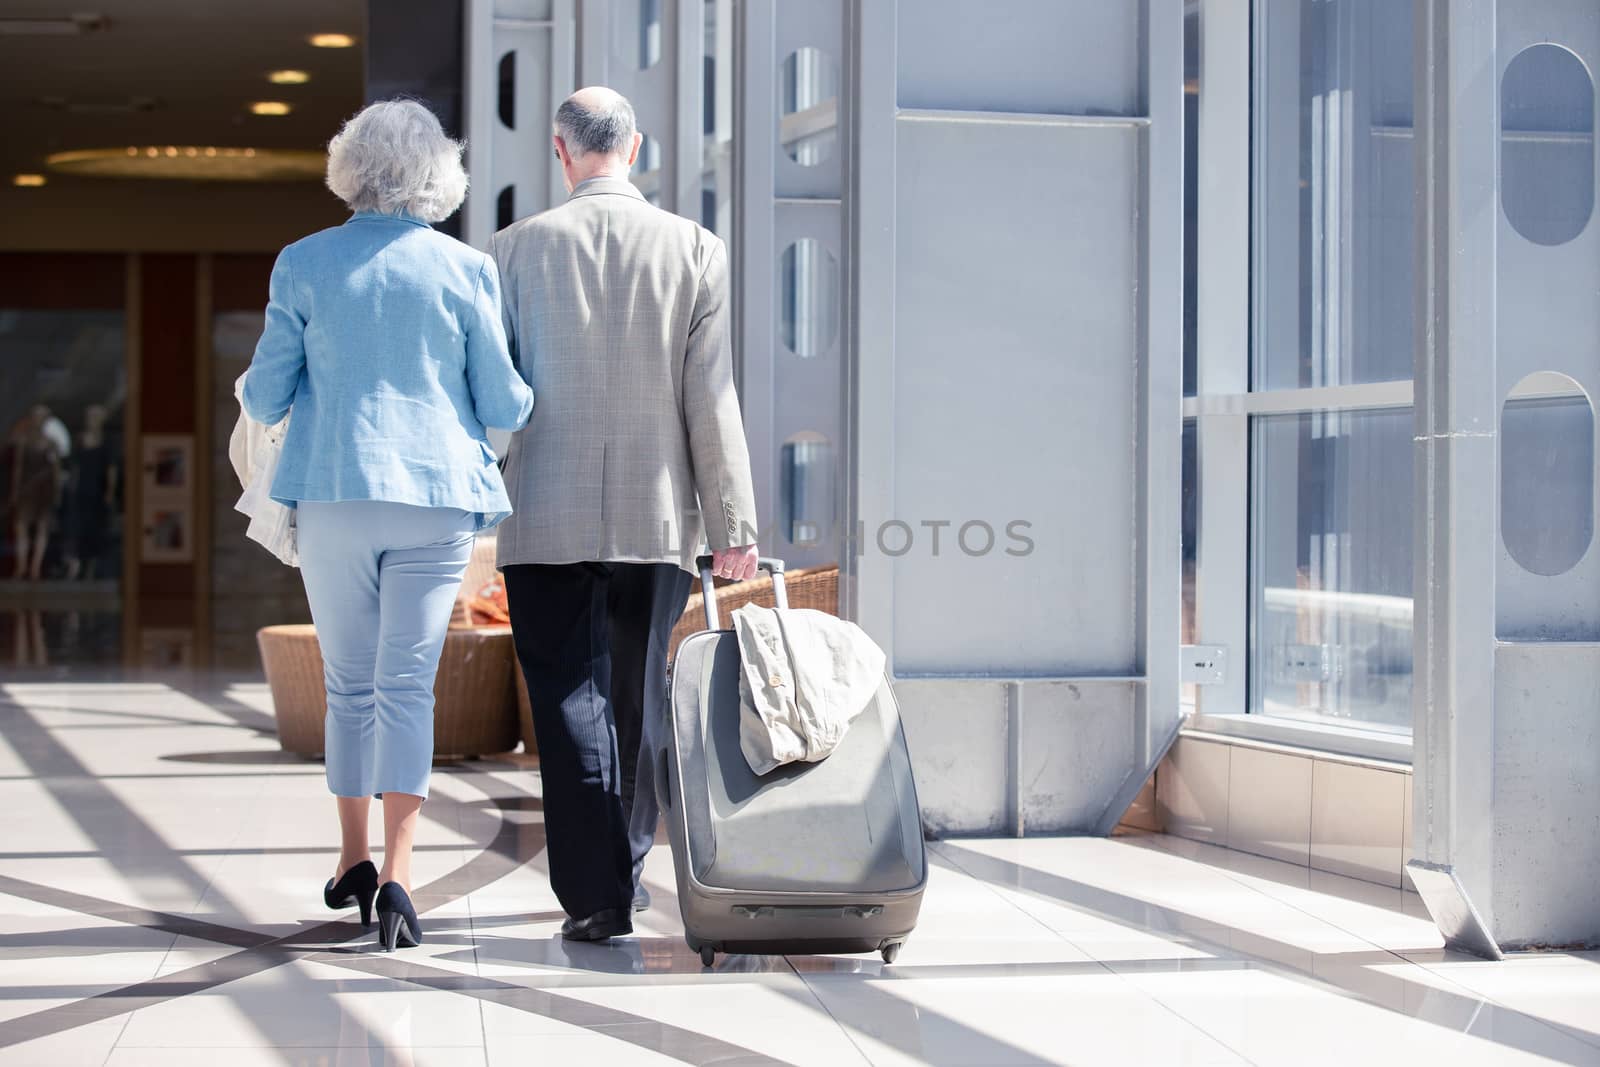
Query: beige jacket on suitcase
pixel 617 315
pixel 805 676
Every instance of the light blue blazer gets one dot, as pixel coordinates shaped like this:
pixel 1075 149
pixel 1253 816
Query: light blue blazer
pixel 385 338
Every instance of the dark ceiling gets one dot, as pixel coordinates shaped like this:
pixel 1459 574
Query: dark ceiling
pixel 172 72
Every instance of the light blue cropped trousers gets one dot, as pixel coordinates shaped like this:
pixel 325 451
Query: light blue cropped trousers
pixel 382 581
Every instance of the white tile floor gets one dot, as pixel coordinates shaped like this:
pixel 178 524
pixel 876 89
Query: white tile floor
pixel 161 861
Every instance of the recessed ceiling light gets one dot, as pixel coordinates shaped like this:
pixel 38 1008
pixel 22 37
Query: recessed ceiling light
pixel 288 77
pixel 28 181
pixel 332 40
pixel 269 107
pixel 192 163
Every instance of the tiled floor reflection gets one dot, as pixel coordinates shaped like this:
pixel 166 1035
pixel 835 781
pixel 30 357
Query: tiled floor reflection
pixel 159 904
pixel 55 625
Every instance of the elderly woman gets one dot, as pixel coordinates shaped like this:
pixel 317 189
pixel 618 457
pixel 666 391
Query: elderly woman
pixel 385 339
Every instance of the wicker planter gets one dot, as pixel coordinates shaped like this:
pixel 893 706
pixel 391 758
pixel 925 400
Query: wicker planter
pixel 480 571
pixel 808 587
pixel 474 703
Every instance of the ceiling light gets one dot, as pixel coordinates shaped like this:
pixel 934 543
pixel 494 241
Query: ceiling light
pixel 269 107
pixel 28 181
pixel 117 105
pixel 332 40
pixel 288 77
pixel 66 26
pixel 192 163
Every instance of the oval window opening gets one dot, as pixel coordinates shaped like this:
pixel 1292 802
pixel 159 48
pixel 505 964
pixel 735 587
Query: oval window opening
pixel 807 488
pixel 808 294
pixel 1547 144
pixel 506 102
pixel 1547 474
pixel 808 99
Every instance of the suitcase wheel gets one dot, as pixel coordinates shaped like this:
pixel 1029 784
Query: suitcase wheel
pixel 891 951
pixel 708 955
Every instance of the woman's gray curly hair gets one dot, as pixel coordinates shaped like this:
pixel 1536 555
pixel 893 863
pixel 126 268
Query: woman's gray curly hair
pixel 394 158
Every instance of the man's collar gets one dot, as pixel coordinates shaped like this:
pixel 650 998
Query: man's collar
pixel 607 183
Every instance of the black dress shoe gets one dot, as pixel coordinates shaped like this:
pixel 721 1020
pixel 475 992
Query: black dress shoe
pixel 613 922
pixel 357 886
pixel 397 919
pixel 641 899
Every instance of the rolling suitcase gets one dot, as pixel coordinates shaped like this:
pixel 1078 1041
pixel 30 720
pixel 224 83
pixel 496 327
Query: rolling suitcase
pixel 812 857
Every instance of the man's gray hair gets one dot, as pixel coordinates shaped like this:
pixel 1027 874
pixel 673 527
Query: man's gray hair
pixel 607 129
pixel 394 158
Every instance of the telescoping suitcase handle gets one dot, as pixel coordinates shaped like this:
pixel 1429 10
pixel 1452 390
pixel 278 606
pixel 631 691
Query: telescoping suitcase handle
pixel 708 589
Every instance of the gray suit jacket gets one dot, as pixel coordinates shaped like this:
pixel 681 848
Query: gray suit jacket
pixel 617 315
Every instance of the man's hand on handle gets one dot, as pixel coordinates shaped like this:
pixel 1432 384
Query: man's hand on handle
pixel 735 564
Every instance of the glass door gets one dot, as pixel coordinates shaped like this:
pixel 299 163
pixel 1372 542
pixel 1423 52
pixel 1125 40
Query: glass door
pixel 63 393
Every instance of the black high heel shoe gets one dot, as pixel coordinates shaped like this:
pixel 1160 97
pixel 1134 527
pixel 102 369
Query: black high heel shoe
pixel 358 886
pixel 397 919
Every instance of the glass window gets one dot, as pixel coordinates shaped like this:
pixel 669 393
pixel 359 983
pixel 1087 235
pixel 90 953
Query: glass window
pixel 1547 480
pixel 808 490
pixel 1331 279
pixel 1333 193
pixel 807 104
pixel 1547 144
pixel 61 483
pixel 1332 567
pixel 808 279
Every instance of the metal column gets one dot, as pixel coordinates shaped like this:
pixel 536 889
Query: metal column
pixel 787 252
pixel 519 68
pixel 1455 458
pixel 525 56
pixel 1507 736
pixel 651 51
pixel 1014 364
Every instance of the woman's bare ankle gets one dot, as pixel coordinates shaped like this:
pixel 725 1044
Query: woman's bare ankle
pixel 345 863
pixel 387 874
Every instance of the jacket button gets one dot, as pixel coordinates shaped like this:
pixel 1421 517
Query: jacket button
pixel 776 681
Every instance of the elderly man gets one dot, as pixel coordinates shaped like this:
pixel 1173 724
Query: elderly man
pixel 617 316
